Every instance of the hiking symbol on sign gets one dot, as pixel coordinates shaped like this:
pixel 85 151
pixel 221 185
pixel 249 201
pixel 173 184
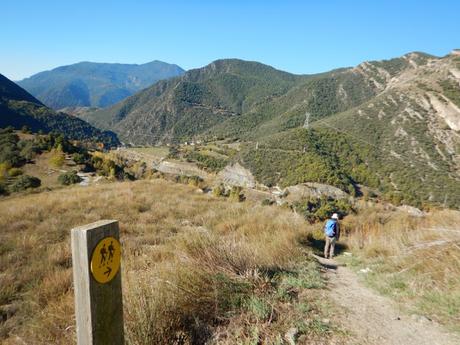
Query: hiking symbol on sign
pixel 105 260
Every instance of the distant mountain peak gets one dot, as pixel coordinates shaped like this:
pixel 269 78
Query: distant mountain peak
pixel 18 108
pixel 95 84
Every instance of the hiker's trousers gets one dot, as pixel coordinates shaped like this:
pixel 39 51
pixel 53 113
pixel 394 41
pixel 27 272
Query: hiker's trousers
pixel 329 247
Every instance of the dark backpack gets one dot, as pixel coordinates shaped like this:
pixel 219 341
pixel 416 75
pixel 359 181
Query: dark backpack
pixel 330 229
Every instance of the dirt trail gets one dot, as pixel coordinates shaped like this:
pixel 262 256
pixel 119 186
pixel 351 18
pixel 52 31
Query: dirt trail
pixel 374 319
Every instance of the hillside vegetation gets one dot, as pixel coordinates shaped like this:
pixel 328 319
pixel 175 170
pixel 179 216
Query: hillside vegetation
pixel 302 155
pixel 390 125
pixel 20 109
pixel 35 162
pixel 90 84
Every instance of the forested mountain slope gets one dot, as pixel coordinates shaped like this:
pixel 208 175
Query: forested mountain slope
pixel 18 108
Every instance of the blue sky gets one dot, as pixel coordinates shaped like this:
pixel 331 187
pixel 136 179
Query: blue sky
pixel 295 36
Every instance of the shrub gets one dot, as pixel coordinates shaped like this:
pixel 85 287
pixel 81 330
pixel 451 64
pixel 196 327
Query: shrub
pixel 69 178
pixel 24 182
pixel 173 152
pixel 207 162
pixel 79 158
pixel 258 307
pixel 219 190
pixel 57 158
pixel 3 190
pixel 320 209
pixel 236 194
pixel 26 129
pixel 267 202
pixel 13 172
pixel 4 168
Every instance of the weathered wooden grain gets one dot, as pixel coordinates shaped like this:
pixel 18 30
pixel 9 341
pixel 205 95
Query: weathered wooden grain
pixel 98 307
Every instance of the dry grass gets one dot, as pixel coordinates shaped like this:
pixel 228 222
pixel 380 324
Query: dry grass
pixel 157 152
pixel 195 268
pixel 413 259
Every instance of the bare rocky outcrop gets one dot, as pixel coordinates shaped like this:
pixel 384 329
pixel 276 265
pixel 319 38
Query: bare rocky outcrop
pixel 447 110
pixel 237 175
pixel 180 168
pixel 313 190
pixel 413 211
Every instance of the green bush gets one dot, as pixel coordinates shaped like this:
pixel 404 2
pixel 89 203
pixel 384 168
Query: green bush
pixel 314 210
pixel 79 158
pixel 26 129
pixel 207 162
pixel 315 155
pixel 57 158
pixel 267 202
pixel 173 152
pixel 69 178
pixel 3 189
pixel 258 307
pixel 236 194
pixel 219 190
pixel 13 172
pixel 25 182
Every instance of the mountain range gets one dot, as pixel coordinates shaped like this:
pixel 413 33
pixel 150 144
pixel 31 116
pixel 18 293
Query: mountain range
pixel 18 108
pixel 397 122
pixel 392 125
pixel 90 84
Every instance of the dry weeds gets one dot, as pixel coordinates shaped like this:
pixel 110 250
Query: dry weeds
pixel 195 268
pixel 413 259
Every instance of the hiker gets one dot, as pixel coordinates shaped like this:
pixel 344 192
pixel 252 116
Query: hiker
pixel 332 232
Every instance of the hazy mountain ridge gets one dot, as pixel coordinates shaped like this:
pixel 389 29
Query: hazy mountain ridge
pixel 95 84
pixel 18 108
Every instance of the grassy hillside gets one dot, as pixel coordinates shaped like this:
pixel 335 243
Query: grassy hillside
pixel 195 268
pixel 198 268
pixel 95 84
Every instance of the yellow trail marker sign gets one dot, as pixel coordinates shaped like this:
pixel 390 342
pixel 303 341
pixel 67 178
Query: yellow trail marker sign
pixel 105 260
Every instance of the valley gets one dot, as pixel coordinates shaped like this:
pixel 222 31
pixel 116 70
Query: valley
pixel 221 178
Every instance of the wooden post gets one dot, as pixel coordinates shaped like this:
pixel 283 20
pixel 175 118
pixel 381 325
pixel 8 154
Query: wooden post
pixel 96 256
